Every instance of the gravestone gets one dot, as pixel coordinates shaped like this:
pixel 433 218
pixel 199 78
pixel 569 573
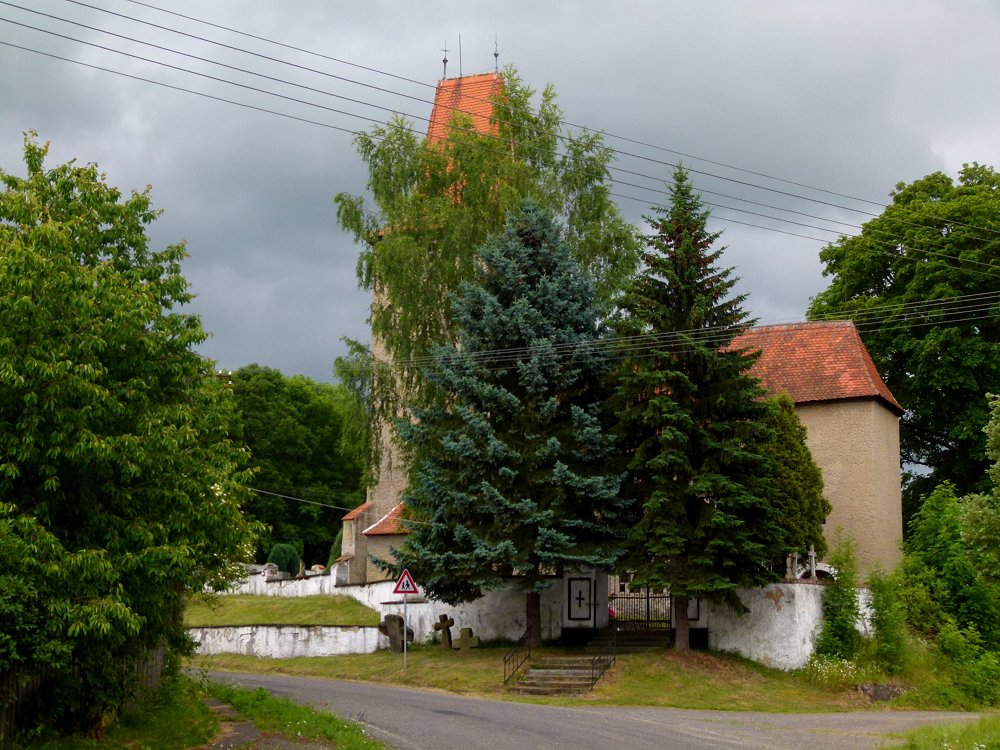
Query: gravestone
pixel 392 628
pixel 444 624
pixel 466 640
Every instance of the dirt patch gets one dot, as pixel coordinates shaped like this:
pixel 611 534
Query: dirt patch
pixel 237 732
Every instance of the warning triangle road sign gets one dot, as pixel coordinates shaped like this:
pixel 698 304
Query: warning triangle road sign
pixel 405 584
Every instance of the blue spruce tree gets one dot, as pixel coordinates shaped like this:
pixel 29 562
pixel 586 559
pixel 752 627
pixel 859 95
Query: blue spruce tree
pixel 509 470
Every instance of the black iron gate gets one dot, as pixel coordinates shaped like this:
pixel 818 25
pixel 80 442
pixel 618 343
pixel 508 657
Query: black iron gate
pixel 637 607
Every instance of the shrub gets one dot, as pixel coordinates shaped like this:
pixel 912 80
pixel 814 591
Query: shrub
pixel 889 621
pixel 285 557
pixel 335 548
pixel 839 636
pixel 975 670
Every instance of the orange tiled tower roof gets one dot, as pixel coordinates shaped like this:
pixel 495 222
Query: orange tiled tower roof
pixel 811 362
pixel 469 95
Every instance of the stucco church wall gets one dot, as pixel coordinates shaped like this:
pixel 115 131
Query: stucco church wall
pixel 856 445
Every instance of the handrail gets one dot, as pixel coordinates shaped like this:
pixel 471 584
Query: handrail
pixel 519 654
pixel 602 662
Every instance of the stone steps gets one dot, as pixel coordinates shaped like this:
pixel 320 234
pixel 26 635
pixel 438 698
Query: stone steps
pixel 557 675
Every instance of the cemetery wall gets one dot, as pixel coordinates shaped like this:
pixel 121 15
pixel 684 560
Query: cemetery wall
pixel 780 629
pixel 286 641
pixel 499 615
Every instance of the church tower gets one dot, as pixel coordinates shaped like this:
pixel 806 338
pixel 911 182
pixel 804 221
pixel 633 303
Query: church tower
pixel 374 527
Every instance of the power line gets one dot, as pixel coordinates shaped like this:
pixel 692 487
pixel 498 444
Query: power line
pixel 181 88
pixel 562 121
pixel 338 96
pixel 962 309
pixel 373 120
pixel 308 103
pixel 396 93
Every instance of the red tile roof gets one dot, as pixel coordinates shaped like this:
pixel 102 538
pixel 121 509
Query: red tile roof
pixel 390 523
pixel 471 96
pixel 356 512
pixel 811 362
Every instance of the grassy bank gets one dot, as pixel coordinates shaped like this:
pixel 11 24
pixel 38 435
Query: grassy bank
pixel 660 678
pixel 213 611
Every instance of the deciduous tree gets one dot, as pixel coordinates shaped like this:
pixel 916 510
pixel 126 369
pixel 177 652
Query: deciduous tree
pixel 120 484
pixel 920 283
pixel 296 429
pixel 436 203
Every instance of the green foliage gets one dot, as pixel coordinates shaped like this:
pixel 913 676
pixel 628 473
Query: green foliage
pixel 509 474
pixel 691 418
pixel 175 717
pixel 888 618
pixel 839 636
pixel 295 429
pixel 930 245
pixel 796 482
pixel 286 557
pixel 435 204
pixel 975 670
pixel 121 487
pixel 946 578
pixel 335 548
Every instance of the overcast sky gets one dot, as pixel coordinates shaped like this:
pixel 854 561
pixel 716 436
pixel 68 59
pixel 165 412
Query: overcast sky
pixel 847 97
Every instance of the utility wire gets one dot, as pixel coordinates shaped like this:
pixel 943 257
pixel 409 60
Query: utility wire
pixel 879 204
pixel 181 89
pixel 353 100
pixel 307 103
pixel 305 120
pixel 363 103
pixel 323 505
pixel 432 86
pixel 362 117
pixel 373 120
pixel 985 305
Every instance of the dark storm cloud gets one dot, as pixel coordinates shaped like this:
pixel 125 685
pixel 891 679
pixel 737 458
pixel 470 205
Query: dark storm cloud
pixel 847 96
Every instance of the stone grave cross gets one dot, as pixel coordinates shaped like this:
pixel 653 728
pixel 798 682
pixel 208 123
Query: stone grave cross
pixel 444 624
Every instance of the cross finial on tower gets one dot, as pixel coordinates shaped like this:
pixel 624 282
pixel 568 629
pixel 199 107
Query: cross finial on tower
pixel 496 55
pixel 445 60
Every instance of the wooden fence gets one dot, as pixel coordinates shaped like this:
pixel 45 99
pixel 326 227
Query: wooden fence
pixel 18 684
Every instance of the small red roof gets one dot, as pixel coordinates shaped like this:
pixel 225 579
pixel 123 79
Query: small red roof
pixel 471 96
pixel 811 362
pixel 356 512
pixel 390 523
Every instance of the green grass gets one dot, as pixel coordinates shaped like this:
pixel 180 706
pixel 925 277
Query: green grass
pixel 174 719
pixel 660 678
pixel 282 715
pixel 978 735
pixel 239 609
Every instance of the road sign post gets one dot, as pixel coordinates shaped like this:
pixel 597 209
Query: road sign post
pixel 405 586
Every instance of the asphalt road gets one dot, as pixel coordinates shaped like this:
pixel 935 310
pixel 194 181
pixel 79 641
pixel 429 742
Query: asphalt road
pixel 408 719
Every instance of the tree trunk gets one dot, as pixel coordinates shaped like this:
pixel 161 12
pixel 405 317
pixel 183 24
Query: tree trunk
pixel 533 617
pixel 682 627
